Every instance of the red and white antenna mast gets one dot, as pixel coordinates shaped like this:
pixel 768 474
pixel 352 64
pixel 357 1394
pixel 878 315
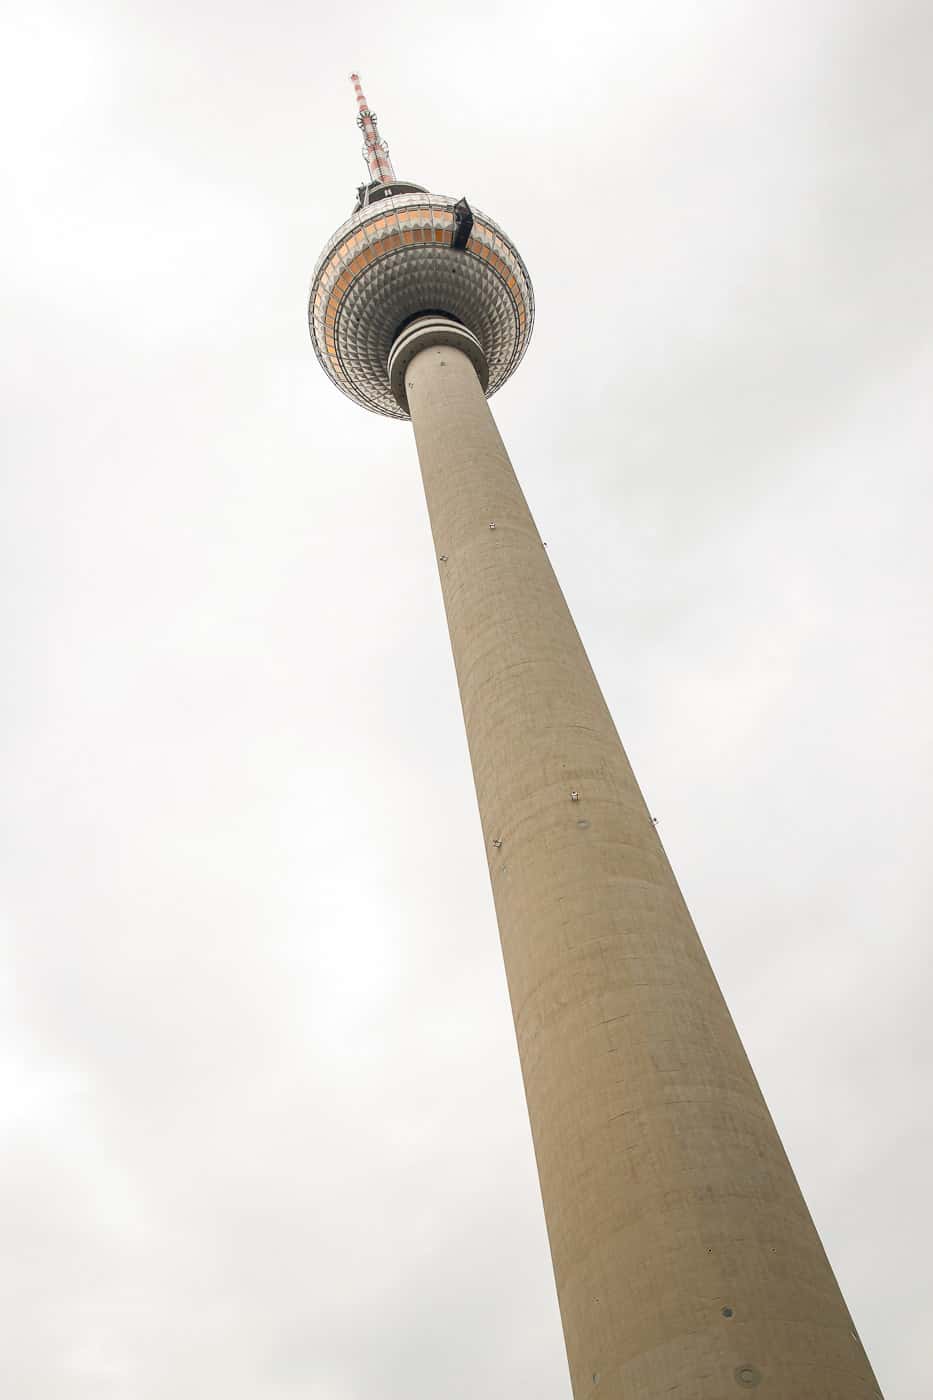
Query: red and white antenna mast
pixel 375 150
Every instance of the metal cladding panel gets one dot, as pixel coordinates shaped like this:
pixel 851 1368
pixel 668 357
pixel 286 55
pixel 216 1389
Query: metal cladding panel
pixel 393 260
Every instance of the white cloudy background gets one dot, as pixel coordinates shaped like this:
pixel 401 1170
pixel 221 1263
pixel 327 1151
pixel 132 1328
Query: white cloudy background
pixel 263 1132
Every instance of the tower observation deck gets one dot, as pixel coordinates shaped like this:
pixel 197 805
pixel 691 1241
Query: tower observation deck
pixel 404 252
pixel 686 1262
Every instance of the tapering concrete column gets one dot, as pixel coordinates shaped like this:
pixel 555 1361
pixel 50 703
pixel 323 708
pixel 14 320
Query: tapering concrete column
pixel 686 1262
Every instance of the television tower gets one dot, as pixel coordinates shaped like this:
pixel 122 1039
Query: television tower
pixel 687 1265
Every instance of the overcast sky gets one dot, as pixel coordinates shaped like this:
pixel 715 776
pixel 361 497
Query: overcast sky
pixel 263 1131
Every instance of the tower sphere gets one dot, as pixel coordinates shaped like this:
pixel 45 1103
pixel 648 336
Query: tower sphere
pixel 405 253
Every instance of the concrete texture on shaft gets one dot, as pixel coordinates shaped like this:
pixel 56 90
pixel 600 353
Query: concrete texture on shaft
pixel 685 1259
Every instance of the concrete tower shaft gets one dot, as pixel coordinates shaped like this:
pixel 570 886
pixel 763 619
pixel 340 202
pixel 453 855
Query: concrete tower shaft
pixel 685 1259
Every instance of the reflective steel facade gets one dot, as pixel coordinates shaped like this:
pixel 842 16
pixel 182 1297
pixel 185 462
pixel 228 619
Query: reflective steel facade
pixel 394 260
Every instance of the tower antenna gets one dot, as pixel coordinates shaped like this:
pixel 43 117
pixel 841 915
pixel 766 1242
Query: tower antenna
pixel 375 150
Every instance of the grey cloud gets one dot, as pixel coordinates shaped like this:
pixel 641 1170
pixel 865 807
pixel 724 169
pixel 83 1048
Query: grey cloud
pixel 263 1124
